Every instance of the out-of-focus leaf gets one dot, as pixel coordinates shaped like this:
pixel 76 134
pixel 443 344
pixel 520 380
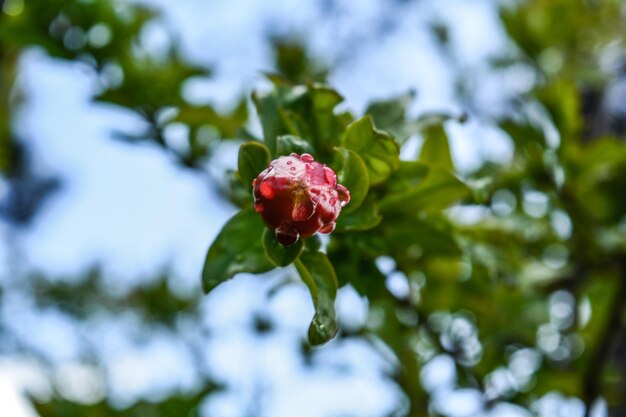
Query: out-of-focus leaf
pixel 352 173
pixel 280 255
pixel 432 119
pixel 318 274
pixel 357 270
pixel 229 125
pixel 436 149
pixel 440 190
pixel 253 158
pixel 237 248
pixel 390 115
pixel 294 63
pixel 598 178
pixel 408 176
pixel 291 59
pixel 429 235
pixel 524 134
pixel 378 150
pixel 45 23
pixel 600 293
pixel 364 218
pixel 444 268
pixel 287 144
pixel 176 404
pixel 567 382
pixel 149 84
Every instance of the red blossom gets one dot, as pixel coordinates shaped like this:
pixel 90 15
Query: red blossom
pixel 298 197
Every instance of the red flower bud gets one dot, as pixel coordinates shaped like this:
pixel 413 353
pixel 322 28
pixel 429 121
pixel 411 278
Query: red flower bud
pixel 298 197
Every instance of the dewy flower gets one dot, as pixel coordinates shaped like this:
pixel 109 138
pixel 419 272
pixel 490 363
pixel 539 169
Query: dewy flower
pixel 298 197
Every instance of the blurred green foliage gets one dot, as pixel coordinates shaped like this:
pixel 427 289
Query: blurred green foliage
pixel 541 271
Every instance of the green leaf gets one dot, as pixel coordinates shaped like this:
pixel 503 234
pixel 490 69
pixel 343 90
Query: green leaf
pixel 318 274
pixel 303 111
pixel 237 248
pixel 268 106
pixel 409 175
pixel 378 150
pixel 352 173
pixel 253 158
pixel 294 123
pixel 426 120
pixel 432 234
pixel 287 144
pixel 436 150
pixel 229 125
pixel 324 101
pixel 365 218
pixel 390 115
pixel 562 100
pixel 279 254
pixel 313 243
pixel 524 134
pixel 438 191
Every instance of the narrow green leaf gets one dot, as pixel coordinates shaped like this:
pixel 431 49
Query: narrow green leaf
pixel 318 274
pixel 352 173
pixel 237 248
pixel 439 190
pixel 378 150
pixel 280 255
pixel 253 158
pixel 436 149
pixel 287 144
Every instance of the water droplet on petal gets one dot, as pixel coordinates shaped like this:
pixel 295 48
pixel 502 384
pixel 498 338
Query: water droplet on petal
pixel 328 228
pixel 344 195
pixel 330 176
pixel 287 235
pixel 293 168
pixel 307 157
pixel 289 162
